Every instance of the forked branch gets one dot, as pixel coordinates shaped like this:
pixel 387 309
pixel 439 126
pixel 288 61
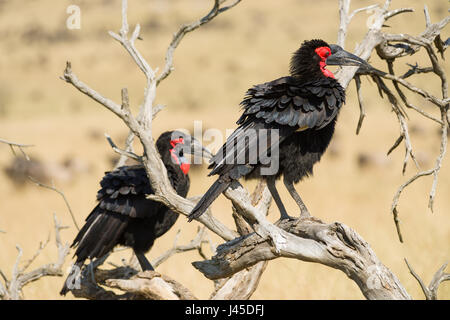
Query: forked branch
pixel 431 291
pixel 11 289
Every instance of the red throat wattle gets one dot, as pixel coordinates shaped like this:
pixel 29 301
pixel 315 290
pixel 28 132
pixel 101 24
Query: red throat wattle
pixel 181 161
pixel 185 167
pixel 324 53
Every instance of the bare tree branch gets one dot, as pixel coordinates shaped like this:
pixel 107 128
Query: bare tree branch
pixel 152 285
pixel 134 284
pixel 430 292
pixel 20 146
pixel 362 111
pixel 334 245
pixel 185 29
pixel 12 289
pixel 53 188
pixel 415 69
pixel 195 244
pixel 394 46
pixel 127 154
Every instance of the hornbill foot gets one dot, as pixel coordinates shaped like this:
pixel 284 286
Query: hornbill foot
pixel 304 213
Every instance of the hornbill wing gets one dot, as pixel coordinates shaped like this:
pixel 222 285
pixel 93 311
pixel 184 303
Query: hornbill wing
pixel 121 198
pixel 123 191
pixel 247 146
pixel 282 104
pixel 284 101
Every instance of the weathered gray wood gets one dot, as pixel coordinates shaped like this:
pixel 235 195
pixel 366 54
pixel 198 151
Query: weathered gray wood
pixel 335 245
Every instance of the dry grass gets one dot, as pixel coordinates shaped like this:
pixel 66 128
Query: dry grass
pixel 214 66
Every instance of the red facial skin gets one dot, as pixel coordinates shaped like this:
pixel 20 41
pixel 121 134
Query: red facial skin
pixel 184 166
pixel 324 53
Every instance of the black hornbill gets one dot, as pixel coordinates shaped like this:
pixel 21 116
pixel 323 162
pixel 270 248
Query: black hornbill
pixel 124 216
pixel 297 115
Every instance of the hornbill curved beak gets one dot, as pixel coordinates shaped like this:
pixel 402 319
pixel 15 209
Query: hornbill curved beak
pixel 195 148
pixel 340 57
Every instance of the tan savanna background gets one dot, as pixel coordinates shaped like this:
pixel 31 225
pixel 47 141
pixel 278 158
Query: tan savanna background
pixel 252 43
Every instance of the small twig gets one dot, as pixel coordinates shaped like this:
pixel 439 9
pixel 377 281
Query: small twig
pixel 395 12
pixel 397 224
pixel 194 244
pixel 126 153
pixel 125 100
pixel 150 74
pixel 415 69
pixel 416 276
pixel 345 18
pixel 5 279
pixel 426 95
pixel 20 146
pixel 128 148
pixel 427 16
pixel 430 292
pixel 19 279
pixel 440 158
pixel 362 112
pixel 14 144
pixel 368 8
pixel 40 184
pixel 396 144
pixel 394 210
pixel 41 247
pixel 185 29
pixel 130 138
pixel 438 278
pixel 403 124
pixel 16 269
pixel 408 145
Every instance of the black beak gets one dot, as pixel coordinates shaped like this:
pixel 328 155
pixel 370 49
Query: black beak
pixel 197 149
pixel 340 57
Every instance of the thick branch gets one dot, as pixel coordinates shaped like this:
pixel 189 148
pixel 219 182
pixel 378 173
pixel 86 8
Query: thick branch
pixel 334 245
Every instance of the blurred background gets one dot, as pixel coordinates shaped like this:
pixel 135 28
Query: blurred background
pixel 214 66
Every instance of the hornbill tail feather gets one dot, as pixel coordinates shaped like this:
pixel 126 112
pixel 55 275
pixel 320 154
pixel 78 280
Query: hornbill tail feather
pixel 72 279
pixel 213 192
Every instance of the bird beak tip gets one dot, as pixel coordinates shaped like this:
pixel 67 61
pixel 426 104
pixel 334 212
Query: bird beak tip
pixel 343 58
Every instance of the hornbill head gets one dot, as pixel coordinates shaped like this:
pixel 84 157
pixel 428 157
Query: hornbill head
pixel 174 145
pixel 310 60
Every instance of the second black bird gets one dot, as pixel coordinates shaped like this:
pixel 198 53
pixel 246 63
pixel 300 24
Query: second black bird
pixel 124 216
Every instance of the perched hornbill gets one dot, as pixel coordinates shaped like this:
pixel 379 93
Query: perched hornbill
pixel 124 216
pixel 297 114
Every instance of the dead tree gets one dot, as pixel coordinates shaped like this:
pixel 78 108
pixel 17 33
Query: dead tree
pixel 239 262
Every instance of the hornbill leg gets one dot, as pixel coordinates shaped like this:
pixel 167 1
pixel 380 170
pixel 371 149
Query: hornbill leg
pixel 304 213
pixel 145 264
pixel 277 199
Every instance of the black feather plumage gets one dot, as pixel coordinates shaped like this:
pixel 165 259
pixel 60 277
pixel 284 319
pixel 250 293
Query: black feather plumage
pixel 123 215
pixel 302 108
